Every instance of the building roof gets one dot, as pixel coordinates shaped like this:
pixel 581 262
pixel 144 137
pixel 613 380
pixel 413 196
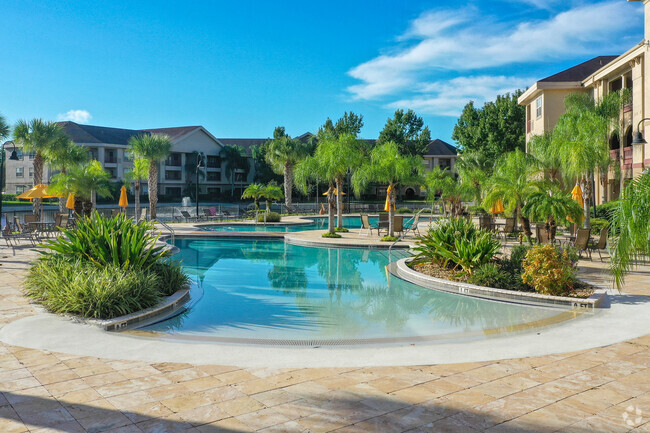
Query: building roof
pixel 174 133
pixel 98 134
pixel 581 71
pixel 439 147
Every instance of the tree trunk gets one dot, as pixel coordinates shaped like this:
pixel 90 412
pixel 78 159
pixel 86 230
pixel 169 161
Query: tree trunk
pixel 339 203
pixel 391 211
pixel 137 201
pixel 268 206
pixel 38 179
pixel 551 228
pixel 93 200
pixel 586 199
pixel 525 222
pixel 288 185
pixel 153 189
pixel 605 183
pixel 62 200
pixel 330 213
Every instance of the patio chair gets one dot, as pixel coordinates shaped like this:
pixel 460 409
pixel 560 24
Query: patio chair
pixel 582 241
pixel 508 229
pixel 30 218
pixel 189 217
pixel 398 224
pixel 24 232
pixel 382 224
pixel 207 214
pixel 601 244
pixel 414 225
pixel 365 225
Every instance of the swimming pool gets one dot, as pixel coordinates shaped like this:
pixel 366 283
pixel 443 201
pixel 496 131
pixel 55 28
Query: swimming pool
pixel 349 222
pixel 268 291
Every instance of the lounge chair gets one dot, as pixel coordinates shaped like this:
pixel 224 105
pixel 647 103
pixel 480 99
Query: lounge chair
pixel 189 217
pixel 21 232
pixel 582 241
pixel 414 225
pixel 601 244
pixel 365 225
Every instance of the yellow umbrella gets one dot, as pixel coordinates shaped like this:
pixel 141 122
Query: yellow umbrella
pixel 497 207
pixel 387 205
pixel 39 191
pixel 123 201
pixel 335 192
pixel 576 194
pixel 70 203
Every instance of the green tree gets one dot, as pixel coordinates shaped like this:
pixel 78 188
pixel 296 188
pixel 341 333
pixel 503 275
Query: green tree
pixel 389 166
pixel 496 128
pixel 86 181
pixel 263 171
pixel 235 159
pixel 407 130
pixel 283 154
pixel 630 229
pixel 136 175
pixel 256 192
pixel 550 204
pixel 63 155
pixel 350 123
pixel 474 168
pixel 580 139
pixel 511 183
pixel 547 155
pixel 4 133
pixel 271 192
pixel 153 148
pixel 444 184
pixel 333 158
pixel 37 136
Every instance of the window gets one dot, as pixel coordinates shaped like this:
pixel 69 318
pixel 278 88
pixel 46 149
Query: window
pixel 214 176
pixel 174 160
pixel 31 171
pixel 214 191
pixel 20 172
pixel 111 171
pixel 172 175
pixel 19 154
pixel 173 191
pixel 110 156
pixel 214 161
pixel 20 189
pixel 32 155
pixel 92 153
pixel 538 107
pixel 444 164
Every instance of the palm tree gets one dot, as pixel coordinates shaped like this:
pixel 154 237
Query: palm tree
pixel 474 168
pixel 511 183
pixel 387 165
pixel 37 136
pixel 630 229
pixel 137 173
pixel 4 128
pixel 334 157
pixel 256 192
pixel 271 192
pixel 547 154
pixel 234 158
pixel 283 154
pixel 153 148
pixel 4 133
pixel 63 155
pixel 551 204
pixel 443 183
pixel 85 181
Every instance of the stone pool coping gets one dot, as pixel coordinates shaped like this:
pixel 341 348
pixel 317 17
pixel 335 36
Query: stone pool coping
pixel 402 270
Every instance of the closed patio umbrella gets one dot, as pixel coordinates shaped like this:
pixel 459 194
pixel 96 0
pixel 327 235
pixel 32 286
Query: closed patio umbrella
pixel 123 203
pixel 497 207
pixel 576 194
pixel 70 202
pixel 387 205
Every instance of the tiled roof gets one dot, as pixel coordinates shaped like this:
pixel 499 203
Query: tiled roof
pixel 581 71
pixel 98 134
pixel 439 147
pixel 174 133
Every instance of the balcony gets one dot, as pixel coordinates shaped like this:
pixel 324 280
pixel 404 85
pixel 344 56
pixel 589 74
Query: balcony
pixel 628 154
pixel 615 154
pixel 627 108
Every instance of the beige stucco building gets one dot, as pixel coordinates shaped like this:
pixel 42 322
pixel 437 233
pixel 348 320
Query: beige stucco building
pixel 544 102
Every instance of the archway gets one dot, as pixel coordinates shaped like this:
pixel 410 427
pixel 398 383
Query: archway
pixel 409 194
pixel 614 142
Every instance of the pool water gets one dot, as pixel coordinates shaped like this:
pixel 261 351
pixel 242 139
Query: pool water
pixel 316 224
pixel 269 290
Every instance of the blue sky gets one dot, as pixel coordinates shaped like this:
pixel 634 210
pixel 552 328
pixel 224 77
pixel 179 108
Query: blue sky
pixel 242 68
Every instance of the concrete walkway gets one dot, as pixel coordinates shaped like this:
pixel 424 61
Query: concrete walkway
pixel 596 390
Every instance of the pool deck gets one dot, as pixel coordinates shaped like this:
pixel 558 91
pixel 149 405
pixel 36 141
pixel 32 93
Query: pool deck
pixel 604 389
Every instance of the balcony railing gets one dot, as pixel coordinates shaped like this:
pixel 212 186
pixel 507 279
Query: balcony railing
pixel 628 154
pixel 627 107
pixel 615 154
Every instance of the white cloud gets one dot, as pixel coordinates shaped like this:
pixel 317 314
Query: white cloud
pixel 446 98
pixel 78 116
pixel 463 44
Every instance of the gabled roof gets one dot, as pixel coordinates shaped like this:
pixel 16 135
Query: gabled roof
pixel 439 147
pixel 98 134
pixel 581 71
pixel 174 133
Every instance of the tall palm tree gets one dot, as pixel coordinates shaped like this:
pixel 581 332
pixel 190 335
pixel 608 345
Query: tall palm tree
pixel 511 183
pixel 235 158
pixel 153 148
pixel 63 155
pixel 547 154
pixel 387 165
pixel 4 128
pixel 37 136
pixel 4 133
pixel 551 204
pixel 333 158
pixel 138 172
pixel 442 183
pixel 474 168
pixel 283 154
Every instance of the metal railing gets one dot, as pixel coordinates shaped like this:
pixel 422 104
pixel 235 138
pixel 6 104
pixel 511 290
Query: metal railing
pixel 168 228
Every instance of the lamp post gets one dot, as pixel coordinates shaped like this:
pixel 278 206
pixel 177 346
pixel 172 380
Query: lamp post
pixel 3 177
pixel 199 160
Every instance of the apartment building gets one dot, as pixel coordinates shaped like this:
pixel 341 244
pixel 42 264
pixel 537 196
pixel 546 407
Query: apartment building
pixel 544 102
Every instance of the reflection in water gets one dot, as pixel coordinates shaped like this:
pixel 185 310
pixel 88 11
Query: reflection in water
pixel 270 289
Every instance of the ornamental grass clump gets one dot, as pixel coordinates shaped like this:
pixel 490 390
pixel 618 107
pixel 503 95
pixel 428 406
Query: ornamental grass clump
pixel 104 268
pixel 457 244
pixel 550 270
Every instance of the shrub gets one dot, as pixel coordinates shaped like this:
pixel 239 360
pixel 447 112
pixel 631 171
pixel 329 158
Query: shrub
pixel 491 275
pixel 476 210
pixel 331 235
pixel 549 270
pixel 404 210
pixel 598 224
pixel 108 241
pixel 171 277
pixel 341 230
pixel 605 210
pixel 457 243
pixel 271 217
pixel 389 238
pixel 77 287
